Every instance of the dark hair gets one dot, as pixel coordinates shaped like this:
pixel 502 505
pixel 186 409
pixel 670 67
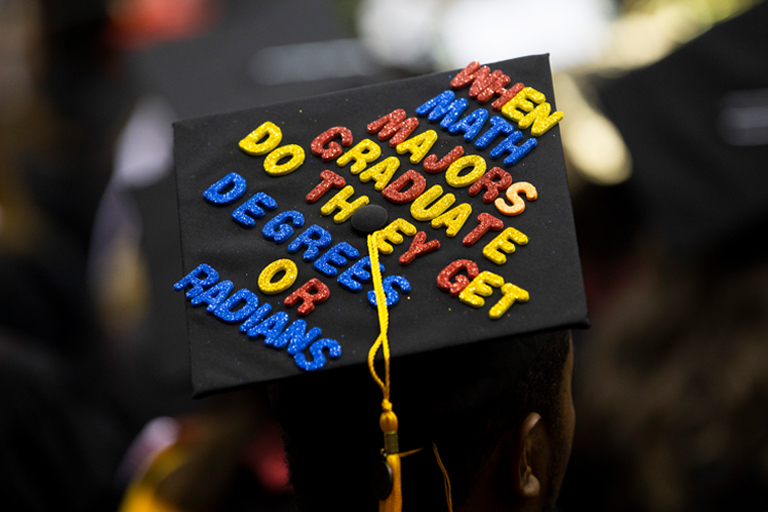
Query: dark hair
pixel 462 399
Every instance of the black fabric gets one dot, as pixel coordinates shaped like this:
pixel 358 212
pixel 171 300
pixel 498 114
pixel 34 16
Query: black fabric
pixel 60 441
pixel 425 319
pixel 699 175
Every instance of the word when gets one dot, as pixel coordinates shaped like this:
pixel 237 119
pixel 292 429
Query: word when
pixel 486 85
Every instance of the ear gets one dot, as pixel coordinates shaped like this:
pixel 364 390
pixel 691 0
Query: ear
pixel 529 446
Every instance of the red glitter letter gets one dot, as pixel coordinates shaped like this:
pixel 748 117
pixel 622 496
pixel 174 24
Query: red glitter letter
pixel 454 287
pixel 486 85
pixel 492 181
pixel 486 222
pixel 330 179
pixel 312 292
pixel 507 95
pixel 333 149
pixel 432 166
pixel 394 126
pixel 465 76
pixel 394 194
pixel 419 248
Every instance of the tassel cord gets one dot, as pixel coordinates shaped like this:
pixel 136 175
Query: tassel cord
pixel 388 419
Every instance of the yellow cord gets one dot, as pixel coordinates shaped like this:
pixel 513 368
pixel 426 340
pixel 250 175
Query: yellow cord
pixel 388 419
pixel 446 480
pixel 410 452
pixel 381 305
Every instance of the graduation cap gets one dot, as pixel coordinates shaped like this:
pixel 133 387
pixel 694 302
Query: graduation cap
pixel 698 173
pixel 415 215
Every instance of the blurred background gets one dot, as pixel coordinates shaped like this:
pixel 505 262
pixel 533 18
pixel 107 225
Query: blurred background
pixel 666 143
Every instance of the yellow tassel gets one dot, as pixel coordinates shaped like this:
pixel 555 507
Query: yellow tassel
pixel 388 419
pixel 388 425
pixel 394 503
pixel 446 480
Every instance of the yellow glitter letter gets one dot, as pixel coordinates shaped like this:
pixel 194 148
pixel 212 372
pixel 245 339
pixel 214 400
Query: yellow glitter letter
pixel 363 153
pixel 540 116
pixel 452 174
pixel 418 146
pixel 495 250
pixel 419 209
pixel 453 219
pixel 512 294
pixel 381 173
pixel 251 145
pixel 391 233
pixel 339 201
pixel 291 150
pixel 270 271
pixel 478 288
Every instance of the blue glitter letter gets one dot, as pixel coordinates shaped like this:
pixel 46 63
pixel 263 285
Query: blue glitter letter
pixel 278 228
pixel 256 317
pixel 296 337
pixel 252 207
pixel 224 311
pixel 516 152
pixel 470 125
pixel 232 181
pixel 329 263
pixel 214 296
pixel 314 245
pixel 392 295
pixel 498 126
pixel 334 350
pixel 358 273
pixel 271 328
pixel 443 106
pixel 198 284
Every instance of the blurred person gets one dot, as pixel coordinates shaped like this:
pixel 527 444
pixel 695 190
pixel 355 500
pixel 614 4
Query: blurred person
pixel 227 455
pixel 61 430
pixel 673 390
pixel 56 162
pixel 672 387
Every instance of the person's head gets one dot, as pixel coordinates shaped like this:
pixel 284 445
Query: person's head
pixel 499 413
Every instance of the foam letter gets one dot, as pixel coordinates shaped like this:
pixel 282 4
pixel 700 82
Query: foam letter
pixel 362 153
pixel 495 250
pixel 267 131
pixel 333 150
pixel 394 127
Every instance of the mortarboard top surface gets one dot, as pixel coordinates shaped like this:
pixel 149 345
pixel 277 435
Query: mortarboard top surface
pixel 222 231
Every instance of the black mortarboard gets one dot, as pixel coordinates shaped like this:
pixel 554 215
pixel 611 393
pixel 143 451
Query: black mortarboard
pixel 463 170
pixel 699 177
